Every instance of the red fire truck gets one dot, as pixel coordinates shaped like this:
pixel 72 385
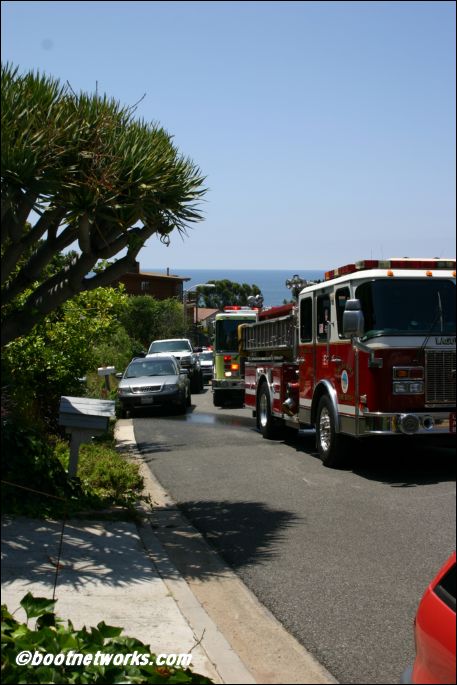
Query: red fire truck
pixel 369 351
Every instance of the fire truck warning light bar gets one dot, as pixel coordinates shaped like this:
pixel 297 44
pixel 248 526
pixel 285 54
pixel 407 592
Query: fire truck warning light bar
pixel 405 263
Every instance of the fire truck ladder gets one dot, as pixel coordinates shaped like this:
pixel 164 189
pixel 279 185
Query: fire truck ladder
pixel 270 336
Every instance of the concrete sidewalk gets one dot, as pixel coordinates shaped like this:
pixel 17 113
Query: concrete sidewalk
pixel 105 575
pixel 137 578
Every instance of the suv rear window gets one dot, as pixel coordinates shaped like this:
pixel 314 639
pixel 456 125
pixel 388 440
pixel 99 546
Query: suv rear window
pixel 169 346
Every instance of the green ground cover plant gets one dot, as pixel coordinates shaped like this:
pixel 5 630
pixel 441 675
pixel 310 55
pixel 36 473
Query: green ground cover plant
pixel 50 635
pixel 105 478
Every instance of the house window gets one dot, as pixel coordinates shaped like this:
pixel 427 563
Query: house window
pixel 145 285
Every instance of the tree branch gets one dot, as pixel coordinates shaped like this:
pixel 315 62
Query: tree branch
pixel 111 273
pixel 32 270
pixel 84 230
pixel 64 285
pixel 49 221
pixel 13 223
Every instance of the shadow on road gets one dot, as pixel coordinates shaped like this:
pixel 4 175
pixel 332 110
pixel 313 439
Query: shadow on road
pixel 399 462
pixel 243 533
pixel 110 552
pixel 406 464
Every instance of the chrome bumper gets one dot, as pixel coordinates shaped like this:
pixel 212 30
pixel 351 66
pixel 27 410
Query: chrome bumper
pixel 228 384
pixel 413 423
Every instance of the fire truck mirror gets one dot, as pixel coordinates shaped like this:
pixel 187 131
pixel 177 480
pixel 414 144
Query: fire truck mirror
pixel 353 321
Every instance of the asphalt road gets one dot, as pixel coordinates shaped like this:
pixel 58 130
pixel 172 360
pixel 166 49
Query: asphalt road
pixel 341 558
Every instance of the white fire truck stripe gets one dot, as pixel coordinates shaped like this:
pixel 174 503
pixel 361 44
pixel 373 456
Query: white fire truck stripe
pixel 343 408
pixel 346 409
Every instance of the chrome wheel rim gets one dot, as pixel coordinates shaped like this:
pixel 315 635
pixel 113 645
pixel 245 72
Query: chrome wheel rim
pixel 325 430
pixel 263 410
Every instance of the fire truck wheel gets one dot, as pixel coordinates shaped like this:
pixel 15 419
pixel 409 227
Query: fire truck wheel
pixel 196 383
pixel 217 398
pixel 267 424
pixel 330 444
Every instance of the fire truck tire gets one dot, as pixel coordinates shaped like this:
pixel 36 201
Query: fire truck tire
pixel 266 422
pixel 196 382
pixel 332 446
pixel 218 398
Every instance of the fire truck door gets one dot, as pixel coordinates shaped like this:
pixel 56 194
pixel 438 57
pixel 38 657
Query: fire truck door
pixel 306 358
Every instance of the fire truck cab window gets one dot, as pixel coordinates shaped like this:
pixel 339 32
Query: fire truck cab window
pixel 407 306
pixel 306 320
pixel 340 299
pixel 323 316
pixel 227 335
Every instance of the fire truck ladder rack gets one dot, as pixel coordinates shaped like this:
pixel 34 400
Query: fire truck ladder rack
pixel 272 335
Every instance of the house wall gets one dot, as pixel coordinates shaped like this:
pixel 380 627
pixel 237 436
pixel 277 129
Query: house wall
pixel 159 287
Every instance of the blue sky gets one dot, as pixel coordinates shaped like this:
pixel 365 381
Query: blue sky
pixel 326 130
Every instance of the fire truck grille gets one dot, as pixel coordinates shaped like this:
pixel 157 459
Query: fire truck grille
pixel 440 377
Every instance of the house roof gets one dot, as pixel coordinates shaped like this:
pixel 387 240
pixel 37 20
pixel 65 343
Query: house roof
pixel 151 274
pixel 205 313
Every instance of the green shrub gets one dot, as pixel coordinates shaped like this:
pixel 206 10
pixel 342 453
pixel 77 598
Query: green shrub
pixel 108 474
pixel 50 361
pixel 30 461
pixel 115 349
pixel 104 479
pixel 104 474
pixel 146 319
pixel 51 636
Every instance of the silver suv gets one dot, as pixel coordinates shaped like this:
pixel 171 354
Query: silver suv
pixel 155 381
pixel 182 350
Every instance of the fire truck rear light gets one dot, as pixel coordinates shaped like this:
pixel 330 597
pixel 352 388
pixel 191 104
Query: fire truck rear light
pixel 429 273
pixel 227 357
pixel 235 367
pixel 390 273
pixel 227 374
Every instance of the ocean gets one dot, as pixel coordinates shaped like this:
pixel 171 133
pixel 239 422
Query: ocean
pixel 271 282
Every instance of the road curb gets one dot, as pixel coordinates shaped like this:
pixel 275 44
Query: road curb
pixel 224 659
pixel 249 632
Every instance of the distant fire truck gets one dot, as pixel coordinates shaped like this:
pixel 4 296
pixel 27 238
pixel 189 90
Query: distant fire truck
pixel 228 374
pixel 370 351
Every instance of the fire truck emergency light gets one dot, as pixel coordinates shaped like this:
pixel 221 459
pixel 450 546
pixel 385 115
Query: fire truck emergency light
pixel 395 263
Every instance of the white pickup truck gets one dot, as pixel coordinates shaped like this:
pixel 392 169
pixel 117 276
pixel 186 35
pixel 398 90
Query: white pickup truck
pixel 182 350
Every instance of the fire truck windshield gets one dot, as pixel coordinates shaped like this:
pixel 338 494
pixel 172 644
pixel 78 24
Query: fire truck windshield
pixel 407 306
pixel 226 338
